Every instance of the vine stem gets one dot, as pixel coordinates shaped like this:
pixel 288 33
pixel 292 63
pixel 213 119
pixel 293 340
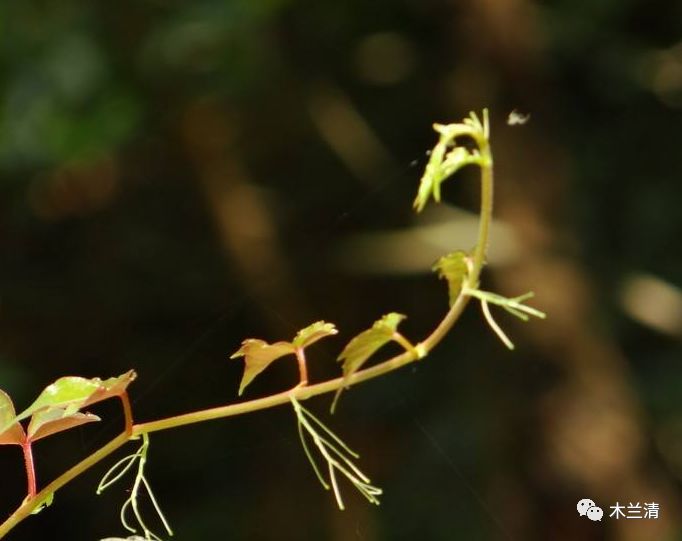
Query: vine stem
pixel 300 392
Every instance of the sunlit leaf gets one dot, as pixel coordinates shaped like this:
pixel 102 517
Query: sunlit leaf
pixel 49 421
pixel 258 355
pixel 14 434
pixel 111 387
pixel 453 267
pixel 313 333
pixel 72 393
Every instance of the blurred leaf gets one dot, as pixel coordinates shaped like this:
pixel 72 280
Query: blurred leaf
pixel 15 433
pixel 453 267
pixel 313 333
pixel 47 422
pixel 258 355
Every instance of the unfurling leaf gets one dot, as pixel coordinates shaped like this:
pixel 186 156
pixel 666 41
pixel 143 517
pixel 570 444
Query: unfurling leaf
pixel 258 355
pixel 453 267
pixel 365 344
pixel 447 157
pixel 72 393
pixel 49 421
pixel 313 333
pixel 14 433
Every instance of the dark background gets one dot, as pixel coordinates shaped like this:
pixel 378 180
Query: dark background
pixel 177 176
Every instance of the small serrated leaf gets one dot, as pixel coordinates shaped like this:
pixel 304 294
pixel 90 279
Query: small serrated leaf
pixel 313 333
pixel 258 355
pixel 365 344
pixel 49 421
pixel 453 267
pixel 14 433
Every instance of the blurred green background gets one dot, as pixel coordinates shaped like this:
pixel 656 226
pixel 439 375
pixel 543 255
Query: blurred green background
pixel 177 176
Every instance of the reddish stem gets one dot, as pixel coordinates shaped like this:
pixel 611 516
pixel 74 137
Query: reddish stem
pixel 127 412
pixel 302 366
pixel 30 468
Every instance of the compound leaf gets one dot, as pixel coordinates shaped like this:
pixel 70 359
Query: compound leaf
pixel 258 355
pixel 14 433
pixel 453 267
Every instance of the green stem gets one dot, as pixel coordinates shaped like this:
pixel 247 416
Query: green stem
pixel 301 392
pixel 486 214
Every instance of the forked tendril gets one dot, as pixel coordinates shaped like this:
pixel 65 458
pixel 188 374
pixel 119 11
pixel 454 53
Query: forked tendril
pixel 512 305
pixel 117 471
pixel 335 452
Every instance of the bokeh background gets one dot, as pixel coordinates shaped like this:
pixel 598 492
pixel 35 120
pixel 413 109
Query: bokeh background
pixel 178 176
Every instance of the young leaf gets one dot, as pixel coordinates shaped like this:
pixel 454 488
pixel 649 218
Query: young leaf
pixel 49 421
pixel 453 267
pixel 14 433
pixel 111 387
pixel 443 163
pixel 432 177
pixel 313 333
pixel 72 393
pixel 258 355
pixel 365 344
